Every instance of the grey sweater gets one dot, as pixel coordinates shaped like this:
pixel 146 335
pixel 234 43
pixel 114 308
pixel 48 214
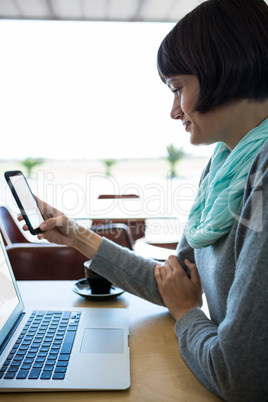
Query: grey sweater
pixel 228 353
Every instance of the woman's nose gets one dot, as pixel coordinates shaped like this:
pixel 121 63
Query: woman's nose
pixel 176 112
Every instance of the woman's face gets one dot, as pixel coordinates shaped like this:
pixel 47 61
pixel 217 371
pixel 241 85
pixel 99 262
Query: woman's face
pixel 204 128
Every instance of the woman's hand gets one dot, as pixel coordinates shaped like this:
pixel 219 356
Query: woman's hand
pixel 179 292
pixel 57 228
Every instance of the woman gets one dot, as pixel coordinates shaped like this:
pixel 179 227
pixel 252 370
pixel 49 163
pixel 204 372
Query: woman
pixel 215 61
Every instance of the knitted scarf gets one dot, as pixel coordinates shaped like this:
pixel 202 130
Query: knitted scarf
pixel 220 193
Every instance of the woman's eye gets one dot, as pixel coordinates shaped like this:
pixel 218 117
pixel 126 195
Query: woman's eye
pixel 177 91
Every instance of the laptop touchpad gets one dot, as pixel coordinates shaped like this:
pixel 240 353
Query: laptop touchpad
pixel 102 340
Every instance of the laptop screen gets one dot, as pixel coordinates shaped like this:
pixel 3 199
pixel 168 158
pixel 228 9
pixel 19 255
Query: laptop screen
pixel 8 296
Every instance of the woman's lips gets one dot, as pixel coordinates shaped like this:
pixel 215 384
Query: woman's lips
pixel 186 125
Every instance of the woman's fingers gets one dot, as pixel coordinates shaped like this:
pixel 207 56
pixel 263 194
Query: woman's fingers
pixel 20 218
pixel 193 271
pixel 164 272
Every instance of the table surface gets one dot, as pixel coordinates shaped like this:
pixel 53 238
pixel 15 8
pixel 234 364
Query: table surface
pixel 158 373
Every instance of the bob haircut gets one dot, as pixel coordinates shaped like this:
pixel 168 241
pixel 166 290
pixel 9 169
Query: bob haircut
pixel 224 43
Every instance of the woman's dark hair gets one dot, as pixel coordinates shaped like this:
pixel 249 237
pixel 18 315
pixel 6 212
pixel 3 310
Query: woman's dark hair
pixel 224 43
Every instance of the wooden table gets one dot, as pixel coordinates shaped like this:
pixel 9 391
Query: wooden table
pixel 158 372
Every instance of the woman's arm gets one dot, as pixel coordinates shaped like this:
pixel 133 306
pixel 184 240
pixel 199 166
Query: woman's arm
pixel 134 273
pixel 122 267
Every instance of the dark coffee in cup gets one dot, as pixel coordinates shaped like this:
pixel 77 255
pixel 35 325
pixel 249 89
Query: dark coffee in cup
pixel 97 283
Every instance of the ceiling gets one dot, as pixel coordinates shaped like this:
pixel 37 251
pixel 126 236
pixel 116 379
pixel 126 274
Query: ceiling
pixel 97 10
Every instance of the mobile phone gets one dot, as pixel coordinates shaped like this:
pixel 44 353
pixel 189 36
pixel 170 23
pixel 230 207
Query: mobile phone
pixel 25 200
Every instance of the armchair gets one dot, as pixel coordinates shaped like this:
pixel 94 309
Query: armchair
pixel 137 226
pixel 45 261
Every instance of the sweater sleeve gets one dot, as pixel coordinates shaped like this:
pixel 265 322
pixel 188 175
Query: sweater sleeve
pixel 131 272
pixel 127 270
pixel 231 359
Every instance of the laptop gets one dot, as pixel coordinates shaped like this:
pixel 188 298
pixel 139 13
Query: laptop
pixel 78 349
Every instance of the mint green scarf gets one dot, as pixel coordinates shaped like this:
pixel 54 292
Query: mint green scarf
pixel 220 193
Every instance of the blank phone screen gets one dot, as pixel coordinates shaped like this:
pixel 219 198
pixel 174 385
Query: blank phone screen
pixel 27 200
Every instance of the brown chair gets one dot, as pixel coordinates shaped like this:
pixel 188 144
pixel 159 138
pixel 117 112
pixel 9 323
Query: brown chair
pixel 118 233
pixel 136 226
pixel 45 261
pixel 38 261
pixel 32 261
pixel 9 230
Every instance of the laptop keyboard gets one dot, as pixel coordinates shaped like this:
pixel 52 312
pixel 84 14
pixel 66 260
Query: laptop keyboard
pixel 43 348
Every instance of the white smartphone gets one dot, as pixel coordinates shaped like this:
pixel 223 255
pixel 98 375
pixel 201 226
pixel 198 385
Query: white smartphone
pixel 25 200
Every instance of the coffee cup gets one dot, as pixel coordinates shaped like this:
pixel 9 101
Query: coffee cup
pixel 97 283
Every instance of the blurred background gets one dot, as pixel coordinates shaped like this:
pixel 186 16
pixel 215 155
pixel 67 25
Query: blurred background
pixel 83 110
